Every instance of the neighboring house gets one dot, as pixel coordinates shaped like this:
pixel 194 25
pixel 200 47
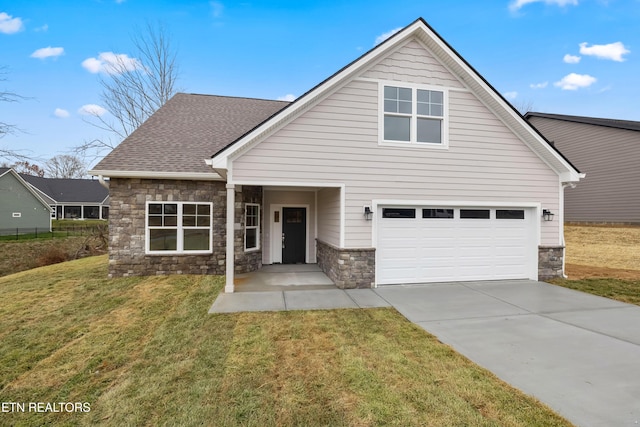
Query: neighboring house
pixel 609 152
pixel 72 198
pixel 405 166
pixel 21 207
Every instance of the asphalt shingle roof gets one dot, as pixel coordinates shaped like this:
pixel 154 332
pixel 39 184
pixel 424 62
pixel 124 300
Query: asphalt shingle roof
pixel 62 190
pixel 186 130
pixel 619 124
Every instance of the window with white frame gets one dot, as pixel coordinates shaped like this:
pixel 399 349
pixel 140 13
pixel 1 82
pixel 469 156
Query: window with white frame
pixel 178 227
pixel 413 115
pixel 251 226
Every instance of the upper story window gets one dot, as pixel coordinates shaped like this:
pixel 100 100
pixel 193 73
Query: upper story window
pixel 413 115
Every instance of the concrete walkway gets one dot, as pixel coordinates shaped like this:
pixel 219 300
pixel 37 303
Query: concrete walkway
pixel 578 353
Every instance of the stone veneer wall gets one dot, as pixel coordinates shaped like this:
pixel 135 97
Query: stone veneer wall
pixel 550 262
pixel 246 262
pixel 128 197
pixel 348 268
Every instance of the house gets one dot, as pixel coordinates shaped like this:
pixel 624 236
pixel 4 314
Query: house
pixel 21 207
pixel 609 151
pixel 405 166
pixel 72 198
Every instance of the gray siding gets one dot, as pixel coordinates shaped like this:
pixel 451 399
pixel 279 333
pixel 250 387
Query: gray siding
pixel 16 198
pixel 610 158
pixel 337 141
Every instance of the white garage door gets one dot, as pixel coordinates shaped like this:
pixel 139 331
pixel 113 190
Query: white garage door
pixel 440 244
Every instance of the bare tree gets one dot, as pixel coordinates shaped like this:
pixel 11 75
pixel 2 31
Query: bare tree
pixel 65 166
pixel 524 106
pixel 6 128
pixel 25 167
pixel 132 90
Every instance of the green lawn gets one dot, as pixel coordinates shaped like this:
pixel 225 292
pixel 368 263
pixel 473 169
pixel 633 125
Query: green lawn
pixel 144 351
pixel 622 290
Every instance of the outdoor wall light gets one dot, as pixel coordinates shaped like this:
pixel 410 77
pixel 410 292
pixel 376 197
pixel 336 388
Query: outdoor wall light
pixel 368 213
pixel 547 215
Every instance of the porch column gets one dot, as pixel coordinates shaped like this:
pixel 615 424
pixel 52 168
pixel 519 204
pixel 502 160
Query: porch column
pixel 230 261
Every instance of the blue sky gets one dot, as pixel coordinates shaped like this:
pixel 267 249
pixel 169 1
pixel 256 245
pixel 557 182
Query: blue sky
pixel 578 57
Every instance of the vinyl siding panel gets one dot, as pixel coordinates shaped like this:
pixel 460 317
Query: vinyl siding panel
pixel 329 216
pixel 412 63
pixel 484 161
pixel 610 158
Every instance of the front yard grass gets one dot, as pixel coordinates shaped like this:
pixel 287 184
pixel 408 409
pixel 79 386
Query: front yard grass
pixel 144 351
pixel 603 260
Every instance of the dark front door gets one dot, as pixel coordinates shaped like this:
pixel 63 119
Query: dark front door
pixel 294 235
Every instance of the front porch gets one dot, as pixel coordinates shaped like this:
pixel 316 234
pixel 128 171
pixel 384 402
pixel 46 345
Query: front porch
pixel 283 277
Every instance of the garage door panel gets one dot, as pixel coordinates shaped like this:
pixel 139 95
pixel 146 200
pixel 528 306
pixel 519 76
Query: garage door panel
pixel 415 250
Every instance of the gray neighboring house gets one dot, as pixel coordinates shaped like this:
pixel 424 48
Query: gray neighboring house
pixel 405 166
pixel 608 151
pixel 21 207
pixel 72 198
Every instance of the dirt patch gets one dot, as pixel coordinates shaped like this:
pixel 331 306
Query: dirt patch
pixel 577 272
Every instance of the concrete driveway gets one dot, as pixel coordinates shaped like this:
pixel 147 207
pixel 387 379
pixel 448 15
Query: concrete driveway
pixel 578 353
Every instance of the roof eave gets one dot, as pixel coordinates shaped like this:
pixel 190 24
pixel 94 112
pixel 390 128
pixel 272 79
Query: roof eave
pixel 189 176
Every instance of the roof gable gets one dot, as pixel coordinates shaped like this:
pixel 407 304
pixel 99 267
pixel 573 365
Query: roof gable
pixel 421 32
pixel 8 171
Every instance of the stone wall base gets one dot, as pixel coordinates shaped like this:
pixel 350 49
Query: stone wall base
pixel 550 262
pixel 348 268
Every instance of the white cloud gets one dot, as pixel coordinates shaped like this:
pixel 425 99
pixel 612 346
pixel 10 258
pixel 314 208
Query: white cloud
pixel 384 36
pixel 575 81
pixel 92 110
pixel 59 112
pixel 511 95
pixel 517 4
pixel 216 8
pixel 538 85
pixel 47 52
pixel 612 51
pixel 288 97
pixel 111 63
pixel 45 28
pixel 9 24
pixel 571 59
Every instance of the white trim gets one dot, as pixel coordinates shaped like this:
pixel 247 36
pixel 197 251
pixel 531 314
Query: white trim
pixel 179 229
pixel 343 214
pixel 16 215
pixel 256 227
pixel 189 176
pixel 314 184
pixel 414 116
pixel 230 237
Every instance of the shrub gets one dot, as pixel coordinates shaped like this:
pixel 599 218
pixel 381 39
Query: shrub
pixel 52 255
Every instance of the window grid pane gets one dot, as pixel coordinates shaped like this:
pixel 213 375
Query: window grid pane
pixel 397 100
pixel 429 130
pixel 397 128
